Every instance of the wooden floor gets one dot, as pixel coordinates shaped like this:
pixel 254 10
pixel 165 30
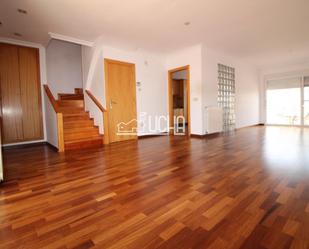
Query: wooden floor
pixel 247 190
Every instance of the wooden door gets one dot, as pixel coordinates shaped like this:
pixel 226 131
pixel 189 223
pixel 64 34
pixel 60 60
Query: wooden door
pixel 20 94
pixel 120 101
pixel 30 93
pixel 12 125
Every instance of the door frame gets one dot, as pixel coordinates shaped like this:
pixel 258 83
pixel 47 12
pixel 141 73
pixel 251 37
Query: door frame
pixel 170 97
pixel 107 97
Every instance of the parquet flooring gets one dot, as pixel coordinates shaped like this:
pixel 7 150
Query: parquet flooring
pixel 249 190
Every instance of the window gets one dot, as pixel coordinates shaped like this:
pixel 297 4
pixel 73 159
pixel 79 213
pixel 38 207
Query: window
pixel 283 101
pixel 306 100
pixel 226 95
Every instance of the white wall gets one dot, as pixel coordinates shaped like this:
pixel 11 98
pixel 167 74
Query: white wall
pixel 51 123
pixel 151 96
pixel 190 56
pixel 64 66
pixel 247 86
pixel 151 72
pixel 92 64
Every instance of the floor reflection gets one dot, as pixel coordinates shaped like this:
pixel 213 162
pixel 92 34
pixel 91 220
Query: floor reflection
pixel 286 148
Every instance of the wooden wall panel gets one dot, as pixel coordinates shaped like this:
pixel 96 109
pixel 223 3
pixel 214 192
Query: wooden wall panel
pixel 30 93
pixel 10 94
pixel 20 94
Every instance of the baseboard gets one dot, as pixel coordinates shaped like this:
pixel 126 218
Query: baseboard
pixel 212 135
pixel 250 126
pixel 152 135
pixel 24 143
pixel 197 136
pixel 27 145
pixel 53 147
pixel 218 134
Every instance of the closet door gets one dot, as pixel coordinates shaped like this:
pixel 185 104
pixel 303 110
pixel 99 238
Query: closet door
pixel 11 115
pixel 30 93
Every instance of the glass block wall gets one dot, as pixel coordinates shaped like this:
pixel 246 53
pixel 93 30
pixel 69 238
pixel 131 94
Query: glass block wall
pixel 226 95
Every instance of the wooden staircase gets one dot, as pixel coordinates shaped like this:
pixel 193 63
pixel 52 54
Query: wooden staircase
pixel 78 128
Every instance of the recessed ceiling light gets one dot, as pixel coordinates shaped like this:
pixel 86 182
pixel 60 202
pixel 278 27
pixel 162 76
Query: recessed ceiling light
pixel 22 11
pixel 17 34
pixel 187 23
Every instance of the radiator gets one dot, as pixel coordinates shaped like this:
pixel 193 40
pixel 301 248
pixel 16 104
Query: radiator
pixel 213 119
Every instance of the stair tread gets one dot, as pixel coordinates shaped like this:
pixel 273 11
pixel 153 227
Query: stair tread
pixel 71 94
pixel 70 100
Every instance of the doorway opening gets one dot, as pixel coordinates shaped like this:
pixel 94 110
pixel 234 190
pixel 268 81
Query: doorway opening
pixel 179 100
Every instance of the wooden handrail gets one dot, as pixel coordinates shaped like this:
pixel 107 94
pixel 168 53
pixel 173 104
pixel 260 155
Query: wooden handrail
pixel 51 98
pixel 105 115
pixel 56 108
pixel 94 99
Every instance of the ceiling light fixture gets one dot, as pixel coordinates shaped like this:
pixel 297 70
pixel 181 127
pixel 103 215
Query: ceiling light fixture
pixel 22 11
pixel 17 34
pixel 187 23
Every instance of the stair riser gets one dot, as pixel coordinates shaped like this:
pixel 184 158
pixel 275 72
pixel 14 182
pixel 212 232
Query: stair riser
pixel 72 113
pixel 68 126
pixel 88 121
pixel 76 115
pixel 71 97
pixel 72 136
pixel 78 91
pixel 70 120
pixel 82 145
pixel 81 130
pixel 71 103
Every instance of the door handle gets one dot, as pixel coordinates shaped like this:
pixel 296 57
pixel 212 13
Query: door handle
pixel 111 103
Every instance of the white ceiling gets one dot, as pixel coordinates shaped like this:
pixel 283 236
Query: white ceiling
pixel 241 27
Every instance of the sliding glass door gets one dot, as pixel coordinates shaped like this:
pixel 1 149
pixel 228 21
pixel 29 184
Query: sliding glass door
pixel 306 101
pixel 283 99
